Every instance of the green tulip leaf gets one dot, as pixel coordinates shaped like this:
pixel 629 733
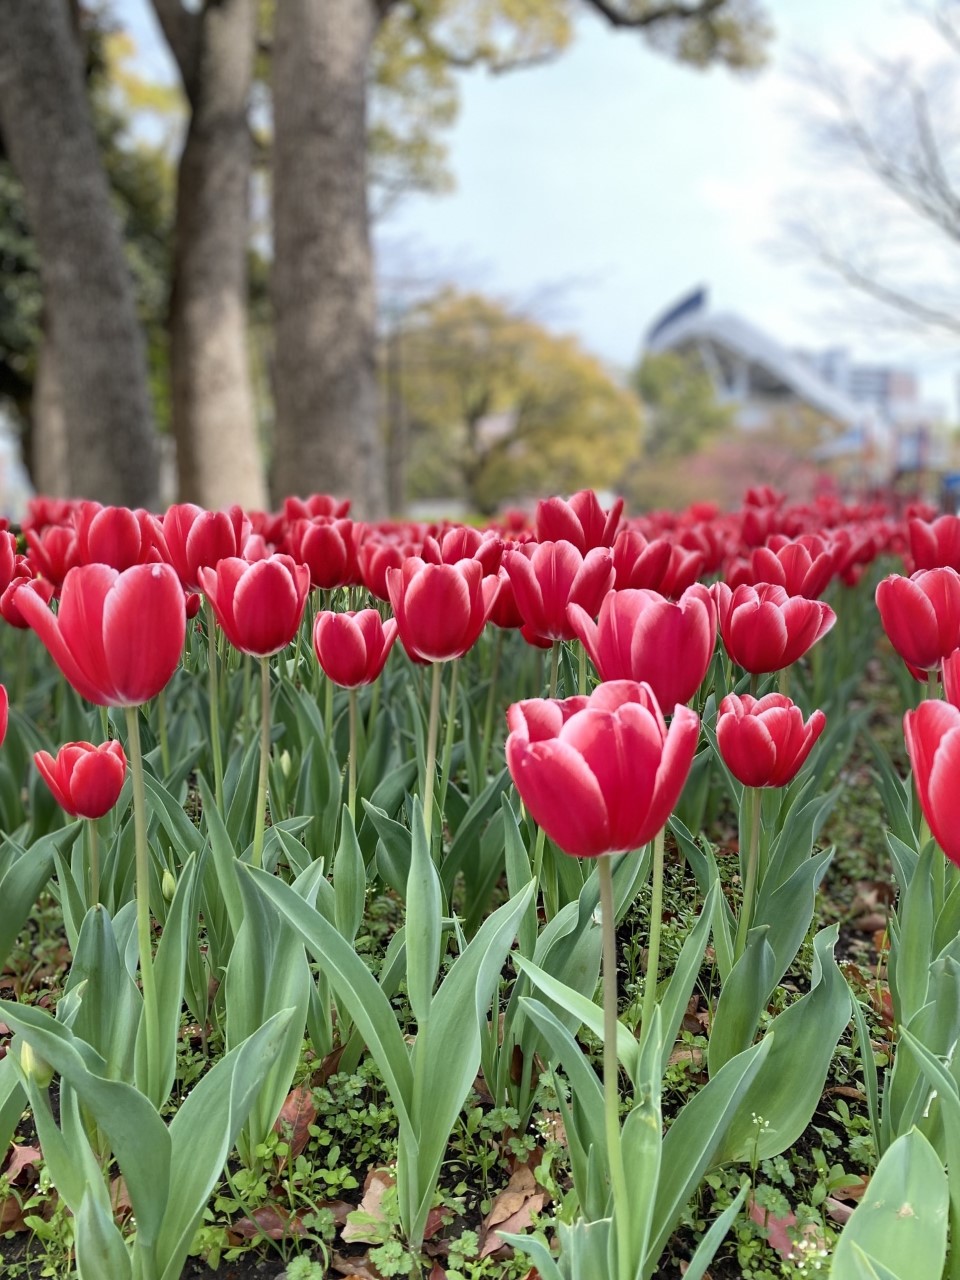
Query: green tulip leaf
pixel 899 1228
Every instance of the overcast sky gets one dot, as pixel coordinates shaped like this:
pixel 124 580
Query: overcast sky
pixel 597 189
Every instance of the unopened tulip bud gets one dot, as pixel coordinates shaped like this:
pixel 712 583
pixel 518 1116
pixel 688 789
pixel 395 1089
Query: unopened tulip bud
pixel 34 1067
pixel 286 764
pixel 168 884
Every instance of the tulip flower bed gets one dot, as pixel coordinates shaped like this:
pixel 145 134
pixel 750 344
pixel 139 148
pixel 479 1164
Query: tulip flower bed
pixel 392 900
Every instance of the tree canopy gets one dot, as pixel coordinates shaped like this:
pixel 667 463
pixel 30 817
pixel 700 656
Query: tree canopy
pixel 498 408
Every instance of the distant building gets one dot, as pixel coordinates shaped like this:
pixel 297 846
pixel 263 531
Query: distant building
pixel 917 443
pixel 872 417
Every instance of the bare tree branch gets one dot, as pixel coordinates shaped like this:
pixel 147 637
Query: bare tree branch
pixel 673 11
pixel 182 29
pixel 890 295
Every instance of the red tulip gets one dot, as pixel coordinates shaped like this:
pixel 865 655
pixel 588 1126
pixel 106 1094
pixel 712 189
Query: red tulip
pixel 10 562
pixel 640 564
pixel 197 539
pixel 802 568
pixel 52 552
pixel 318 504
pixel 682 571
pixel 932 732
pixel 581 521
pixel 764 629
pixel 440 608
pixel 921 616
pixel 85 780
pixel 464 543
pixel 505 613
pixel 118 637
pixel 116 536
pixel 764 741
pixel 950 671
pixel 259 605
pixel 936 544
pixel 328 548
pixel 553 575
pixel 643 637
pixel 600 774
pixel 353 647
pixel 9 608
pixel 376 558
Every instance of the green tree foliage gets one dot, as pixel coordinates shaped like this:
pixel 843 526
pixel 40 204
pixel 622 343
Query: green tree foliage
pixel 498 408
pixel 681 407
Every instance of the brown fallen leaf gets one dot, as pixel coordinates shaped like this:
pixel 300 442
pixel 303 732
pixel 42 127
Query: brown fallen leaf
pixel 778 1230
pixel 686 1053
pixel 120 1200
pixel 514 1209
pixel 270 1220
pixel 11 1215
pixel 22 1159
pixel 371 1207
pixel 293 1123
pixel 354 1268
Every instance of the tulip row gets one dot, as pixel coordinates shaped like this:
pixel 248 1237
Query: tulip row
pixel 110 594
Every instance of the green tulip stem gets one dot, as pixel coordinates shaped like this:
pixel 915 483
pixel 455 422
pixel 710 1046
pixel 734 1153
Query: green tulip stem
pixel 450 731
pixel 430 771
pixel 93 844
pixel 653 946
pixel 611 1069
pixel 486 742
pixel 785 681
pixel 144 930
pixel 551 693
pixel 554 669
pixel 21 680
pixel 374 710
pixel 352 757
pixel 582 671
pixel 754 684
pixel 164 736
pixel 213 685
pixel 750 883
pixel 261 818
pixel 328 708
pixel 933 684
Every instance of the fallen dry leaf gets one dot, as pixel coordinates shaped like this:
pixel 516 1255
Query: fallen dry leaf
pixel 270 1220
pixel 374 1186
pixel 21 1159
pixel 514 1209
pixel 354 1269
pixel 293 1123
pixel 778 1229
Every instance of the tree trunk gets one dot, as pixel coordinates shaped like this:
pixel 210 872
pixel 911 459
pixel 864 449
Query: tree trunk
pixel 92 423
pixel 327 432
pixel 214 422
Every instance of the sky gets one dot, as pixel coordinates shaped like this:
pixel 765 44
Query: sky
pixel 600 188
pixel 597 189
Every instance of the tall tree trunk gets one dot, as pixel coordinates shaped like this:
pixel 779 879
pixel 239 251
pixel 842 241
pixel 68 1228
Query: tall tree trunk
pixel 92 421
pixel 327 431
pixel 214 421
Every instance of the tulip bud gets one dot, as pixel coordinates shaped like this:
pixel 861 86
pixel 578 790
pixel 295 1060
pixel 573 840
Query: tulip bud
pixel 34 1067
pixel 168 884
pixel 286 764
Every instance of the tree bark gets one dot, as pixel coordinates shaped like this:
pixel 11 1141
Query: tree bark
pixel 93 428
pixel 219 460
pixel 327 431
